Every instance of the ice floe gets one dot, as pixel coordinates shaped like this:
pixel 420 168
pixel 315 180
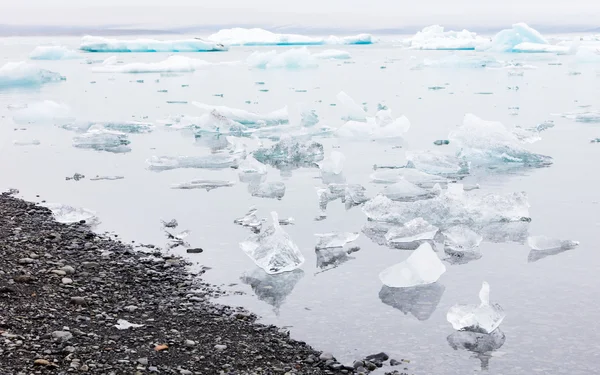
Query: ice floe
pixel 436 163
pixel 414 176
pixel 15 74
pixel 99 44
pixel 404 190
pixel 260 37
pixel 333 164
pixel 53 53
pixel 541 243
pixel 100 139
pixel 381 126
pixel 506 40
pixel 461 243
pixel 350 194
pixel 482 318
pixel 336 239
pixel 422 267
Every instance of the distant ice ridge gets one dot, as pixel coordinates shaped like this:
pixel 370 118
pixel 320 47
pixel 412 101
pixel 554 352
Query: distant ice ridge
pixel 99 44
pixel 436 38
pixel 490 143
pixel 247 118
pixel 171 64
pixel 422 267
pixel 297 58
pixel 260 37
pixel 509 40
pixel 452 207
pixel 14 74
pixel 273 249
pixel 482 318
pixel 53 53
pixel 67 214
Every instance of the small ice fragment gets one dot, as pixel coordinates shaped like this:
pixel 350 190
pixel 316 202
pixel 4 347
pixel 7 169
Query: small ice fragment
pixel 99 139
pixel 290 153
pixel 208 185
pixel 414 230
pixel 288 221
pixel 99 44
pixel 53 53
pixel 212 161
pixel 273 250
pixel 542 243
pixel 483 318
pixel 415 176
pixel 68 214
pixel 354 111
pixel 330 240
pixel 441 142
pixel 33 142
pixel 250 220
pixel 333 164
pixel 460 241
pixel 123 324
pixel 15 74
pixel 405 191
pixel 267 190
pixel 131 127
pixel 170 224
pixel 422 267
pixel 350 194
pixel 75 177
pixel 109 178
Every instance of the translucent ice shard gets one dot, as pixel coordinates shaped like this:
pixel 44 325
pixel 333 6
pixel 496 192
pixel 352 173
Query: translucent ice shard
pixel 585 116
pixel 462 243
pixel 123 324
pixel 98 44
pixel 483 318
pixel 100 139
pixel 547 243
pixel 53 53
pixel 251 170
pixel 267 190
pixel 491 144
pixel 298 58
pixel 68 214
pixel 354 112
pixel 260 37
pixel 419 301
pixel 481 344
pixel 422 267
pixel 338 239
pixel 350 194
pixel 250 220
pixel 208 185
pixel 273 250
pixel 404 190
pixel 42 112
pixel 175 63
pixel 290 153
pixel 33 142
pixel 247 118
pixel 436 163
pixel 382 126
pixel 413 231
pixel 334 164
pixel 212 161
pixel 462 62
pixel 436 38
pixel 415 176
pixel 506 40
pixel 15 74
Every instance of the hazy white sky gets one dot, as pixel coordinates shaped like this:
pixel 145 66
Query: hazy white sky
pixel 368 14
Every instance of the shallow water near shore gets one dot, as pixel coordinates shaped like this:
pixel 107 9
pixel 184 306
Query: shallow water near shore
pixel 553 314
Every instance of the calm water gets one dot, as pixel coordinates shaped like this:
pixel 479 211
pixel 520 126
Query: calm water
pixel 552 306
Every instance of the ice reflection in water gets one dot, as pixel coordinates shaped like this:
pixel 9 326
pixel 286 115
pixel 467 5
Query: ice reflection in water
pixel 420 301
pixel 481 344
pixel 272 289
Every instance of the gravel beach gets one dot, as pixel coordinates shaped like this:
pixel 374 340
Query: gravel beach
pixel 75 301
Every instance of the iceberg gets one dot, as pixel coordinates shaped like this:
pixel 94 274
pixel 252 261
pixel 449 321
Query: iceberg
pixel 452 207
pixel 260 37
pixel 482 318
pixel 298 58
pixel 250 220
pixel 98 44
pixel 42 112
pixel 66 214
pixel 543 243
pixel 331 240
pixel 267 190
pixel 273 249
pixel 404 190
pixel 100 139
pixel 436 38
pixel 354 112
pixel 414 176
pixel 208 185
pixel 215 123
pixel 247 118
pixel 415 230
pixel 212 161
pixel 290 153
pixel 53 53
pixel 435 163
pixel 506 40
pixel 419 301
pixel 171 64
pixel 15 74
pixel 491 144
pixel 422 267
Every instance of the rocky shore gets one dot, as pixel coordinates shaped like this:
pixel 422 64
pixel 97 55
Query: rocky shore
pixel 74 301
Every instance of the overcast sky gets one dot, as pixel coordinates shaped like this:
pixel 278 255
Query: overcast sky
pixel 367 14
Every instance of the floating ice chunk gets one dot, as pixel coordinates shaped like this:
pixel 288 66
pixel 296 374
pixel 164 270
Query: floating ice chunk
pixel 53 53
pixel 260 37
pixel 483 318
pixel 542 243
pixel 462 61
pixel 208 185
pixel 107 178
pixel 462 243
pixel 68 214
pixel 354 112
pixel 309 118
pixel 420 301
pixel 100 139
pixel 482 344
pixel 333 54
pixel 297 58
pixel 273 250
pixel 452 207
pixel 507 39
pixel 272 289
pixel 288 221
pixel 25 74
pixel 267 190
pixel 42 112
pixel 175 63
pixel 131 127
pixel 586 116
pixel 404 190
pixel 290 153
pixel 212 161
pixel 350 194
pixel 435 38
pixel 422 267
pixel 415 176
pixel 382 126
pixel 98 44
pixel 250 220
pixel 33 142
pixel 436 163
pixel 334 164
pixel 527 47
pixel 215 122
pixel 413 231
pixel 123 324
pixel 247 118
pixel 490 143
pixel 251 170
pixel 330 240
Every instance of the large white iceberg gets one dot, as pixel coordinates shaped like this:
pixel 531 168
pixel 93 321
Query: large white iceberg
pixel 422 267
pixel 260 37
pixel 483 318
pixel 436 38
pixel 273 249
pixel 248 118
pixel 99 44
pixel 506 40
pixel 25 74
pixel 43 112
pixel 171 64
pixel 53 53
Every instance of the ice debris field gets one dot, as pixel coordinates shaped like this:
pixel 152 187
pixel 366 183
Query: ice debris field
pixel 375 189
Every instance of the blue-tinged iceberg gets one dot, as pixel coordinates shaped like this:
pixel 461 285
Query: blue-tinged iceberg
pixel 99 44
pixel 172 64
pixel 260 37
pixel 248 118
pixel 53 53
pixel 436 38
pixel 15 74
pixel 507 40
